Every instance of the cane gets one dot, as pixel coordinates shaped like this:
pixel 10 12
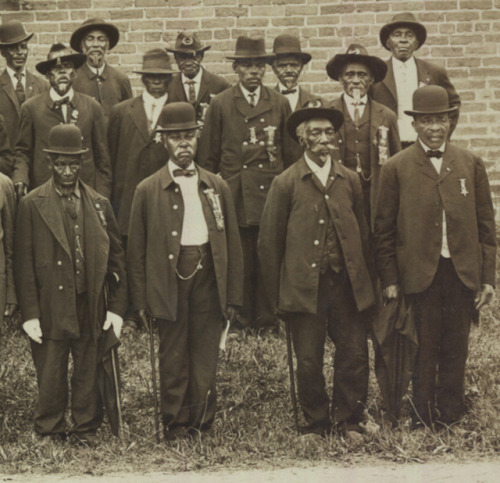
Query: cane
pixel 114 355
pixel 292 376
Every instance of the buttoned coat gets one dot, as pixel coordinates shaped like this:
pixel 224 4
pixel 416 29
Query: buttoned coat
pixel 154 243
pixel 210 85
pixel 409 219
pixel 134 154
pixel 292 236
pixel 380 117
pixel 428 74
pixel 227 147
pixel 37 118
pixel 44 271
pixel 112 89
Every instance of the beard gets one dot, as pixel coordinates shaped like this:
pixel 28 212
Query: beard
pixel 95 58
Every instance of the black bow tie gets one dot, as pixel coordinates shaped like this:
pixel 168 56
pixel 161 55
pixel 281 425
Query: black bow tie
pixel 184 172
pixel 289 91
pixel 434 154
pixel 97 77
pixel 57 104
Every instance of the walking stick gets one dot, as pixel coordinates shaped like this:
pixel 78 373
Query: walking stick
pixel 292 376
pixel 114 355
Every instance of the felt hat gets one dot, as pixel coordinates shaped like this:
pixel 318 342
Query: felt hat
pixel 60 53
pixel 188 43
pixel 306 113
pixel 13 32
pixel 177 116
pixel 156 61
pixel 94 24
pixel 287 44
pixel 430 100
pixel 248 48
pixel 65 139
pixel 406 19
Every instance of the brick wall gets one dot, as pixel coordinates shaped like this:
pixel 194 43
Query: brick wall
pixel 463 35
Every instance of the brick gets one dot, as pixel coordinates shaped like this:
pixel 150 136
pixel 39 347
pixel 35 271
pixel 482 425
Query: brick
pixel 301 10
pixel 217 23
pixel 287 21
pixel 231 12
pixel 180 25
pixel 267 11
pixel 166 12
pixel 74 4
pixel 447 51
pixel 51 16
pixel 108 4
pixel 340 9
pixel 476 4
pixel 252 22
pixel 184 3
pixel 323 20
pixel 125 14
pixel 42 5
pixel 151 3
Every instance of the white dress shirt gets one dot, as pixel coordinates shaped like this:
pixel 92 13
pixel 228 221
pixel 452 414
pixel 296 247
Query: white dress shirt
pixel 197 82
pixel 153 108
pixel 97 70
pixel 293 98
pixel 322 172
pixel 351 105
pixel 194 226
pixel 13 77
pixel 406 78
pixel 247 93
pixel 64 107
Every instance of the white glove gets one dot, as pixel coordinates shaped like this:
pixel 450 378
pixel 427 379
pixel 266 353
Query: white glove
pixel 113 320
pixel 33 329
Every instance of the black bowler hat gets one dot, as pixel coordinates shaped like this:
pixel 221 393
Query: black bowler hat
pixel 247 48
pixel 188 43
pixel 306 113
pixel 13 32
pixel 156 61
pixel 356 53
pixel 405 19
pixel 430 100
pixel 60 53
pixel 65 139
pixel 94 24
pixel 178 116
pixel 287 44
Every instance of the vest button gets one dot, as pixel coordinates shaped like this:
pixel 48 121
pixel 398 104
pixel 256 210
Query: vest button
pixel 60 287
pixel 175 207
pixel 59 262
pixel 170 257
pixel 316 242
pixel 174 233
pixel 313 265
pixel 321 222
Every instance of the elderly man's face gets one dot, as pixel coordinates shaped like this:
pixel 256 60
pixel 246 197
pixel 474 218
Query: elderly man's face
pixel 156 84
pixel 402 42
pixel 356 79
pixel 432 129
pixel 189 64
pixel 65 169
pixel 61 77
pixel 287 69
pixel 16 55
pixel 95 45
pixel 250 72
pixel 181 146
pixel 318 140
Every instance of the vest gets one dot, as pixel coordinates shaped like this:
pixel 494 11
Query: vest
pixel 357 142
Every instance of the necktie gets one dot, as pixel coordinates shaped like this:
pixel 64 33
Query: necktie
pixel 70 206
pixel 434 154
pixel 57 104
pixel 192 92
pixel 21 96
pixel 252 96
pixel 184 172
pixel 289 91
pixel 357 115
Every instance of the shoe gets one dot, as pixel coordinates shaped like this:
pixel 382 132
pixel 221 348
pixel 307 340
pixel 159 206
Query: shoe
pixel 85 438
pixel 174 433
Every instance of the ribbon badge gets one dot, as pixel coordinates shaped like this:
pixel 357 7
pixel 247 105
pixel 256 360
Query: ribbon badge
pixel 383 148
pixel 463 188
pixel 272 150
pixel 215 204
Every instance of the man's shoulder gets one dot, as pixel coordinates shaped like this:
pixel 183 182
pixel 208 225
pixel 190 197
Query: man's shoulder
pixel 430 66
pixel 117 74
pixel 153 181
pixel 216 80
pixel 86 100
pixel 122 106
pixel 36 102
pixel 384 110
pixel 225 96
pixel 276 97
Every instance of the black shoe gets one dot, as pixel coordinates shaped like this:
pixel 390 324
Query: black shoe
pixel 174 433
pixel 85 438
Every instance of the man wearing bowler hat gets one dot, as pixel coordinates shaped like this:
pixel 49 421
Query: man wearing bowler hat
pixel 185 267
pixel 402 36
pixel 61 104
pixel 67 250
pixel 436 246
pixel 369 135
pixel 313 247
pixel 194 83
pixel 96 78
pixel 244 140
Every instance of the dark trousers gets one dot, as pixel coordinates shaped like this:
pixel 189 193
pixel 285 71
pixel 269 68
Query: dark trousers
pixel 443 314
pixel 189 345
pixel 338 316
pixel 51 364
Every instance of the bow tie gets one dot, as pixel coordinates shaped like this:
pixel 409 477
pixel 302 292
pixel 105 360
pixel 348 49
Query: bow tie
pixel 184 172
pixel 434 154
pixel 57 104
pixel 97 77
pixel 289 91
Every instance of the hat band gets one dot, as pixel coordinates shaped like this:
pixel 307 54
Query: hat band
pixel 180 126
pixel 67 149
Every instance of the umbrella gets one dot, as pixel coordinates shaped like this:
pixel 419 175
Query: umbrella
pixel 396 347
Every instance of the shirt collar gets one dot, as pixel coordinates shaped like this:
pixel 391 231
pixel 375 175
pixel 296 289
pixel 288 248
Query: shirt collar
pixel 350 100
pixel 171 166
pixel 56 97
pixel 398 65
pixel 315 167
pixel 246 92
pixel 427 148
pixel 76 190
pixel 97 71
pixel 150 100
pixel 196 78
pixel 284 88
pixel 12 73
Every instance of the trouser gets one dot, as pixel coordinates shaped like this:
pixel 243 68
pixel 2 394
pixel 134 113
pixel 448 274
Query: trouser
pixel 443 314
pixel 338 316
pixel 51 364
pixel 189 345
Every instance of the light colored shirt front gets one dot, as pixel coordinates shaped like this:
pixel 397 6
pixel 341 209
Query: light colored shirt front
pixel 12 74
pixel 97 70
pixel 406 79
pixel 153 108
pixel 194 226
pixel 248 95
pixel 293 98
pixel 197 82
pixel 351 105
pixel 56 97
pixel 322 172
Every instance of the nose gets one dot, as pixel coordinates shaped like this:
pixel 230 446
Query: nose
pixel 67 170
pixel 324 138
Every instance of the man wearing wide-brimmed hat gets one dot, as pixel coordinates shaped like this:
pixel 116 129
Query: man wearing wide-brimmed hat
pixel 96 78
pixel 186 271
pixel 61 104
pixel 313 248
pixel 436 246
pixel 16 82
pixel 67 250
pixel 244 140
pixel 194 83
pixel 402 36
pixel 369 135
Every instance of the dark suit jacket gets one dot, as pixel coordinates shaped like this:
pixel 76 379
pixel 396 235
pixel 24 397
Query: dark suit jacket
pixel 381 116
pixel 292 236
pixel 226 147
pixel 428 74
pixel 154 244
pixel 37 118
pixel 44 270
pixel 409 219
pixel 114 88
pixel 6 157
pixel 134 155
pixel 210 85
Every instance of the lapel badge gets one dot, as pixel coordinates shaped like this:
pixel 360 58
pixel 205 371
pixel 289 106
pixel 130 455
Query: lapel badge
pixel 463 188
pixel 253 135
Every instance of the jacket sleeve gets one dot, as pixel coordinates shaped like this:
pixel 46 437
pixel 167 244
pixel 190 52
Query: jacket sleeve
pixel 114 126
pixel 126 89
pixel 288 150
pixel 394 140
pixel 209 151
pixel 24 150
pixel 8 216
pixel 100 151
pixel 6 161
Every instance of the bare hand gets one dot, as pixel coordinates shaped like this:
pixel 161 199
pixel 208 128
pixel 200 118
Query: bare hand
pixel 9 310
pixel 484 296
pixel 33 329
pixel 391 292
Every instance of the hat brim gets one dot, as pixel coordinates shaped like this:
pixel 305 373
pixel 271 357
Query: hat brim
pixel 305 114
pixel 111 31
pixel 377 66
pixel 433 111
pixel 305 57
pixel 64 150
pixel 155 71
pixel 18 40
pixel 420 32
pixel 188 51
pixel 186 126
pixel 45 66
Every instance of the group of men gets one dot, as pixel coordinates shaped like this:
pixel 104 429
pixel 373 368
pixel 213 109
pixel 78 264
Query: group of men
pixel 291 208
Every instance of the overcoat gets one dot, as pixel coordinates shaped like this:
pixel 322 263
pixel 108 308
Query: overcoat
pixel 154 243
pixel 409 219
pixel 380 117
pixel 37 118
pixel 428 74
pixel 44 270
pixel 292 236
pixel 227 146
pixel 134 154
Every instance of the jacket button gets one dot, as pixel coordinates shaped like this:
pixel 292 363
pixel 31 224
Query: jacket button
pixel 245 166
pixel 321 222
pixel 262 143
pixel 175 207
pixel 176 190
pixel 59 262
pixel 436 224
pixel 245 143
pixel 174 233
pixel 316 242
pixel 170 257
pixel 327 197
pixel 262 119
pixel 261 165
pixel 313 265
pixel 60 287
pixel 262 187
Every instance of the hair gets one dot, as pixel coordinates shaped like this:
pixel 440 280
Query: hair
pixel 300 130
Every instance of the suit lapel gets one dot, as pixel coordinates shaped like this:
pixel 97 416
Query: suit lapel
pixel 263 105
pixel 177 90
pixel 425 163
pixel 423 74
pixel 30 84
pixel 9 90
pixel 241 103
pixel 204 87
pixel 447 166
pixel 138 115
pixel 376 119
pixel 389 80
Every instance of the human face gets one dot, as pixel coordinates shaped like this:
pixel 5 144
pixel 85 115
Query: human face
pixel 16 55
pixel 250 72
pixel 181 146
pixel 356 78
pixel 287 69
pixel 156 84
pixel 65 169
pixel 402 42
pixel 61 77
pixel 432 129
pixel 95 45
pixel 319 140
pixel 189 64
